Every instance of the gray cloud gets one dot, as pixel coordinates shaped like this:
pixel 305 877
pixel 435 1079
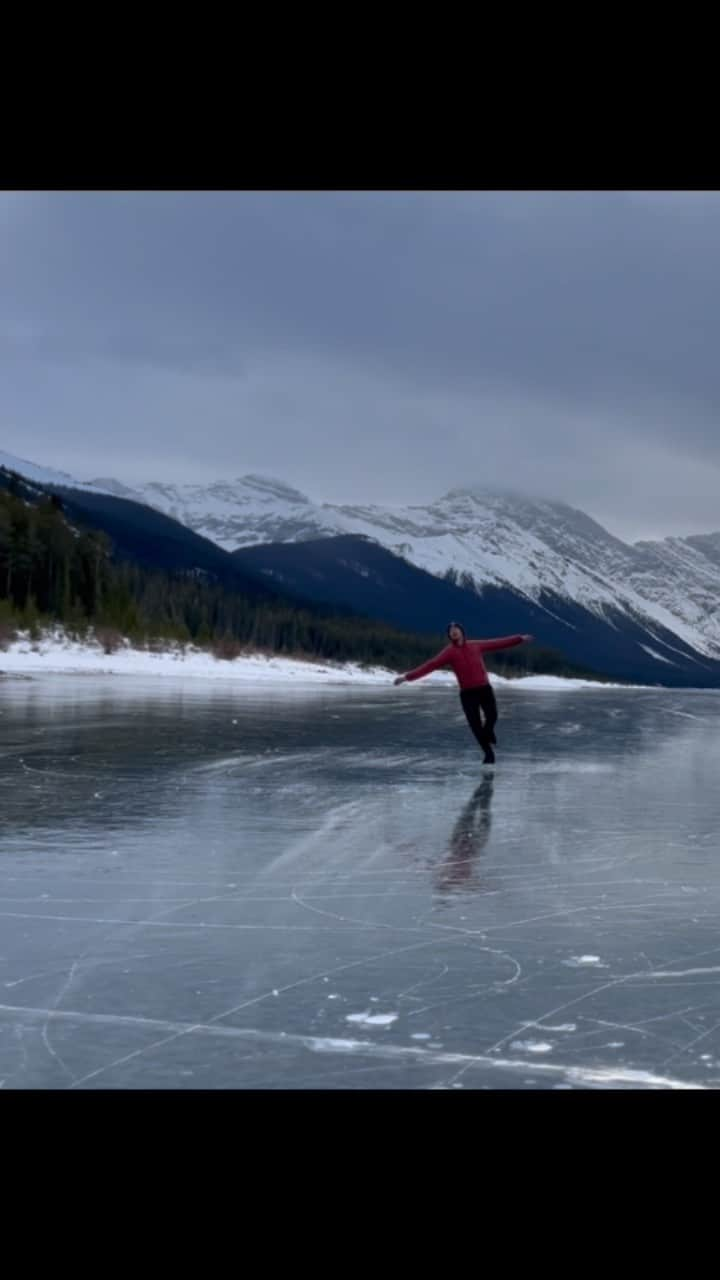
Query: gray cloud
pixel 373 346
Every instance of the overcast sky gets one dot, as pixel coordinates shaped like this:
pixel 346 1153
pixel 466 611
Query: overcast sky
pixel 377 347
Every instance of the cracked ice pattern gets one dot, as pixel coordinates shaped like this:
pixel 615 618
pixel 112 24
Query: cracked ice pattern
pixel 271 888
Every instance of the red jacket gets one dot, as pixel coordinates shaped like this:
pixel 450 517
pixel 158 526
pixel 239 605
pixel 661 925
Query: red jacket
pixel 465 660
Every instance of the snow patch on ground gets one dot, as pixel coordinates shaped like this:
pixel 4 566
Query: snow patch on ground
pixel 55 653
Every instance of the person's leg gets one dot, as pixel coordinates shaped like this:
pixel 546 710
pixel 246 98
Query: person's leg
pixel 471 706
pixel 490 711
pixel 471 701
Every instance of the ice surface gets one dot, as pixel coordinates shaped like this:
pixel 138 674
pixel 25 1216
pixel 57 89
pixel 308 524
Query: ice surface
pixel 204 885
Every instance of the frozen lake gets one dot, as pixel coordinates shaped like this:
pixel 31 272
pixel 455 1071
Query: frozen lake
pixel 210 887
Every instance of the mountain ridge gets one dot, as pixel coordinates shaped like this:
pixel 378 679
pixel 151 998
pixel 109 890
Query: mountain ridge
pixel 534 547
pixel 551 556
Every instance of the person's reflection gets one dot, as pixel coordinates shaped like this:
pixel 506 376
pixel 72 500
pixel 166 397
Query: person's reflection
pixel 469 837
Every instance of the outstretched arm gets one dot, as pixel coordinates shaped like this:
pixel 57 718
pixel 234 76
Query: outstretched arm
pixel 417 673
pixel 506 642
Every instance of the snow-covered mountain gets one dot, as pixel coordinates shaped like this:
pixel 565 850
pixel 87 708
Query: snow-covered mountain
pixel 682 575
pixel 539 550
pixel 45 475
pixel 479 538
pixel 243 512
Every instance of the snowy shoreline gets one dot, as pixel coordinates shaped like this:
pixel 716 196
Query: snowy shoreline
pixel 55 654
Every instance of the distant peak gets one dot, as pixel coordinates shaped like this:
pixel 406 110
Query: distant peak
pixel 111 486
pixel 32 471
pixel 43 475
pixel 463 492
pixel 269 484
pixel 495 494
pixel 484 493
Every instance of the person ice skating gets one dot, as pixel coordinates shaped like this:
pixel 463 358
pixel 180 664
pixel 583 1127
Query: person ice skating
pixel 476 693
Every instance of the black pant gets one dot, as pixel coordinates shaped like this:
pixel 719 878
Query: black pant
pixel 472 701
